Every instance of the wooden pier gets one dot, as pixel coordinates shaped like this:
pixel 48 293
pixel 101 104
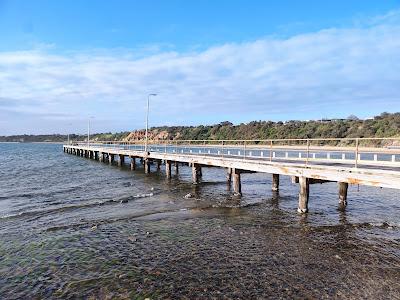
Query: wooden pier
pixel 310 164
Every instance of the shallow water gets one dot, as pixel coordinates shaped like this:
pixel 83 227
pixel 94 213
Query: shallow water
pixel 65 233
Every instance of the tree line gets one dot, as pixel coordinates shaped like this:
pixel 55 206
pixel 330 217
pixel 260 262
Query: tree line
pixel 384 125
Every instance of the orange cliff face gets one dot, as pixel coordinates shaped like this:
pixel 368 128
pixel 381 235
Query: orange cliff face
pixel 138 135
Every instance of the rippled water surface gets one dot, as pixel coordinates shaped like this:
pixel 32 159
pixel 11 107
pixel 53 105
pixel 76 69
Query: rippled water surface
pixel 77 228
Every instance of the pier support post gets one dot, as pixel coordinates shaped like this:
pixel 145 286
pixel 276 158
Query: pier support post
pixel 229 178
pixel 237 184
pixel 176 168
pixel 343 187
pixel 110 158
pixel 196 173
pixel 295 179
pixel 133 163
pixel 158 164
pixel 168 168
pixel 101 156
pixel 304 194
pixel 121 160
pixel 96 155
pixel 147 164
pixel 275 182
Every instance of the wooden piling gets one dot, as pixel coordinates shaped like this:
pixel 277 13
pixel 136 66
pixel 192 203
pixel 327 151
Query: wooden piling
pixel 343 187
pixel 303 194
pixel 295 179
pixel 147 164
pixel 121 160
pixel 229 176
pixel 228 179
pixel 159 164
pixel 110 158
pixel 176 168
pixel 196 173
pixel 168 168
pixel 133 163
pixel 275 182
pixel 237 184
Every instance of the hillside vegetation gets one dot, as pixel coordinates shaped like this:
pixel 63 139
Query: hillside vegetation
pixel 384 125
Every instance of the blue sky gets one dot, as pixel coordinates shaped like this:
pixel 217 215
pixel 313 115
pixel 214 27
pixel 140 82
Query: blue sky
pixel 209 61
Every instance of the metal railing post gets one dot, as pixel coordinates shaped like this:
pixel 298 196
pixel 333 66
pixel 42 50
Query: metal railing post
pixel 308 151
pixel 270 151
pixel 356 153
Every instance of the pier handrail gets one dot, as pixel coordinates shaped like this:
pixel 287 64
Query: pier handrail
pixel 354 151
pixel 251 140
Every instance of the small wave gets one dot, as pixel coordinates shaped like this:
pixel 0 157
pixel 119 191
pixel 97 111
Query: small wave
pixel 50 211
pixel 43 194
pixel 72 207
pixel 130 198
pixel 380 224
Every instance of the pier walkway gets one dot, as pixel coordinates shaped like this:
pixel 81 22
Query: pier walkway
pixel 372 162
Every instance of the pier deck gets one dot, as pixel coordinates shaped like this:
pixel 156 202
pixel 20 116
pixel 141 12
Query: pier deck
pixel 306 165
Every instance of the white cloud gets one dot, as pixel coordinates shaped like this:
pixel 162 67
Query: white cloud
pixel 334 72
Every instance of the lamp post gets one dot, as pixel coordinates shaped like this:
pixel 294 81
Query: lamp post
pixel 88 132
pixel 68 133
pixel 147 121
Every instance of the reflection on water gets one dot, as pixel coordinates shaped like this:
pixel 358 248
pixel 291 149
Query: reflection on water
pixel 74 228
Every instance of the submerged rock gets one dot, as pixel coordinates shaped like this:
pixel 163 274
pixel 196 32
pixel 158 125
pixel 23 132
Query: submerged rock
pixel 133 239
pixel 190 195
pixel 124 201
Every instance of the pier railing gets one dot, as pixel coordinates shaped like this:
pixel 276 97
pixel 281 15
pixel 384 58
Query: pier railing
pixel 349 151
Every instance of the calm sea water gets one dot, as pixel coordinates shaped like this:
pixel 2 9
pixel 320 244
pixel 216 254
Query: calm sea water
pixel 76 228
